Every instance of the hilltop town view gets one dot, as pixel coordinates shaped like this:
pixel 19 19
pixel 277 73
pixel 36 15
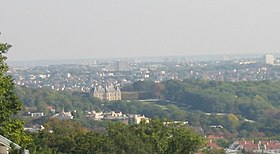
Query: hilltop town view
pixel 237 117
pixel 140 77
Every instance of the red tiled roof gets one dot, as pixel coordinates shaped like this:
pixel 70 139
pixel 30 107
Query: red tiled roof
pixel 213 145
pixel 210 144
pixel 251 147
pixel 270 145
pixel 214 137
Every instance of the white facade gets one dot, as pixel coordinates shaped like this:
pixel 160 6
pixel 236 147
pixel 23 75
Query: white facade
pixel 109 93
pixel 269 59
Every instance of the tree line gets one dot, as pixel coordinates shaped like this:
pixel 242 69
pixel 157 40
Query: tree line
pixel 68 136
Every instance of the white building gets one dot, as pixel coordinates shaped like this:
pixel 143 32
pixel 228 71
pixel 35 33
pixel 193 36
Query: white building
pixel 269 59
pixel 138 118
pixel 63 115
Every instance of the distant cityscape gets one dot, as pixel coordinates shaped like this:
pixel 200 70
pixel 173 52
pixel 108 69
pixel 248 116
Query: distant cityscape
pixel 85 77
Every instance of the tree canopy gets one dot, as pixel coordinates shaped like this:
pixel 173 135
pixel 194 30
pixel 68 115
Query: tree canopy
pixel 10 127
pixel 154 137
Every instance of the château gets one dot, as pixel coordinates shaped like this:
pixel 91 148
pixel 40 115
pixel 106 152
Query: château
pixel 109 93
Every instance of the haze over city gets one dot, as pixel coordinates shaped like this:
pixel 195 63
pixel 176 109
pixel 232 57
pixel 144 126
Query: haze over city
pixel 51 30
pixel 140 76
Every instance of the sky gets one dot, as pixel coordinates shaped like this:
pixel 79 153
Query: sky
pixel 77 29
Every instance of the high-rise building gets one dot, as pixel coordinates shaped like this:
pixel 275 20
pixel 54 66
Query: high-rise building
pixel 269 59
pixel 122 65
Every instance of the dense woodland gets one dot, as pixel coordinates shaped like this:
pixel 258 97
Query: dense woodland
pixel 238 101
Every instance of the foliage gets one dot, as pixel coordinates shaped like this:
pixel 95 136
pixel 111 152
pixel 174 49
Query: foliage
pixel 249 99
pixel 9 104
pixel 59 135
pixel 186 100
pixel 238 102
pixel 146 89
pixel 58 99
pixel 154 137
pixel 256 101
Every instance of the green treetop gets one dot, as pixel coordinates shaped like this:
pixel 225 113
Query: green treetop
pixel 9 104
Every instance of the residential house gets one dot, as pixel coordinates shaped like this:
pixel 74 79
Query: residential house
pixel 63 115
pixel 263 146
pixel 138 118
pixel 5 146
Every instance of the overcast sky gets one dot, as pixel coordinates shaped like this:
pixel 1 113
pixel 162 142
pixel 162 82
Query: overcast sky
pixel 70 29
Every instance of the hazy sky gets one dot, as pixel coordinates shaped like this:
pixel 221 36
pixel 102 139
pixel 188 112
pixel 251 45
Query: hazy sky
pixel 69 29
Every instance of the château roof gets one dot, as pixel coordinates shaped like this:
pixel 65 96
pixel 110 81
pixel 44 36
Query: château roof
pixel 106 89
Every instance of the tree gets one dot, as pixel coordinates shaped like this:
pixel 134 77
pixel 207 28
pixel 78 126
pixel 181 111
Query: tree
pixel 9 104
pixel 67 136
pixel 124 139
pixel 93 142
pixel 169 137
pixel 59 136
pixel 157 90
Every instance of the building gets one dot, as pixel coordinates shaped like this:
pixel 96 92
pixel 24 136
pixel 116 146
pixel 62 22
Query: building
pixel 109 93
pixel 269 59
pixel 138 118
pixel 63 115
pixel 95 115
pixel 122 65
pixel 5 146
pixel 271 147
pixel 36 114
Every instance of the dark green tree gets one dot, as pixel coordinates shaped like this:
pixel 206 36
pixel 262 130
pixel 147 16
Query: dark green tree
pixel 10 127
pixel 59 136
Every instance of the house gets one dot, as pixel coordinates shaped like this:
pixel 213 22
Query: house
pixel 5 146
pixel 272 147
pixel 138 118
pixel 247 145
pixel 95 115
pixel 34 128
pixel 63 115
pixel 36 114
pixel 263 146
pixel 214 136
pixel 176 122
pixel 114 115
pixel 212 145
